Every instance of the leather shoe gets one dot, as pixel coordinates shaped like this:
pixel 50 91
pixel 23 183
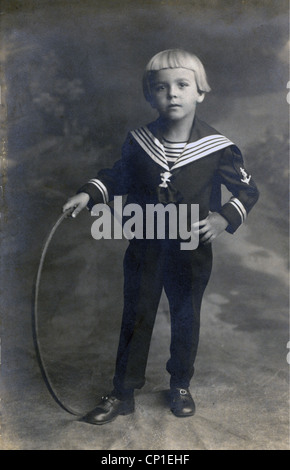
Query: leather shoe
pixel 181 402
pixel 108 409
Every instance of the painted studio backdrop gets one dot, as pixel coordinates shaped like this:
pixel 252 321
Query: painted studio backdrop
pixel 71 89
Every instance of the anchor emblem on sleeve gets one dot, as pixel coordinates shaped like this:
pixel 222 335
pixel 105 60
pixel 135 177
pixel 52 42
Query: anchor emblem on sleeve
pixel 245 177
pixel 165 178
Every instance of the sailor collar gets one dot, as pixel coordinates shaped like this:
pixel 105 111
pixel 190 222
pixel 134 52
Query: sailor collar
pixel 203 141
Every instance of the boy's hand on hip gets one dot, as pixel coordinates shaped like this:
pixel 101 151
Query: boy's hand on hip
pixel 78 202
pixel 211 227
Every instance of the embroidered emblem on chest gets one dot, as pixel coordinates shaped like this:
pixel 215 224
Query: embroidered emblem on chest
pixel 245 177
pixel 165 178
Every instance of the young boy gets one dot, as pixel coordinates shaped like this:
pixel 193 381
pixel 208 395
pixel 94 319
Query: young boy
pixel 176 159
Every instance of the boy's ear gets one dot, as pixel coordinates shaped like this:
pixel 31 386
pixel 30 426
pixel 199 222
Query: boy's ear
pixel 200 97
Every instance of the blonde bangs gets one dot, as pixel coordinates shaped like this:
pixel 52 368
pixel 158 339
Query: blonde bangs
pixel 174 58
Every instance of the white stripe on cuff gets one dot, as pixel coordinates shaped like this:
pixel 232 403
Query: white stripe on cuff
pixel 239 207
pixel 102 188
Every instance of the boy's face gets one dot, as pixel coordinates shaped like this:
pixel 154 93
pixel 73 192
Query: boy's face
pixel 174 93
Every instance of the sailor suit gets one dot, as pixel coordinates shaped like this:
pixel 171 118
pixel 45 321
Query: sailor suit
pixel 146 176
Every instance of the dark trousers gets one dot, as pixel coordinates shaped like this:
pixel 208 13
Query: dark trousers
pixel 150 266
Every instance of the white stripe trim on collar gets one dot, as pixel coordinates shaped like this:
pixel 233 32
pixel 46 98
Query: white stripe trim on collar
pixel 151 145
pixel 214 146
pixel 204 143
pixel 191 152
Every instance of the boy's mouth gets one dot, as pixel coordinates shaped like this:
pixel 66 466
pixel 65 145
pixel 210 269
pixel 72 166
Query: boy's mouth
pixel 174 105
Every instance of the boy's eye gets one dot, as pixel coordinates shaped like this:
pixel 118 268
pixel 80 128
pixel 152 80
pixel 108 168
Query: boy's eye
pixel 183 84
pixel 159 87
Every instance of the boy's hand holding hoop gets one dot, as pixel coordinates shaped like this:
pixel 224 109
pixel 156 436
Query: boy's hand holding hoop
pixel 79 201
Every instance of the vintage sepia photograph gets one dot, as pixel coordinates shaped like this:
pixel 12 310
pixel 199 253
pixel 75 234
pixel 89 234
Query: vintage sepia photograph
pixel 144 227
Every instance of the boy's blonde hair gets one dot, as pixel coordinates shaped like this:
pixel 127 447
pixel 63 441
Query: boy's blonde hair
pixel 170 59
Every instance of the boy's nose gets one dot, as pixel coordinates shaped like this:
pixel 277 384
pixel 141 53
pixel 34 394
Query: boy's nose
pixel 172 92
